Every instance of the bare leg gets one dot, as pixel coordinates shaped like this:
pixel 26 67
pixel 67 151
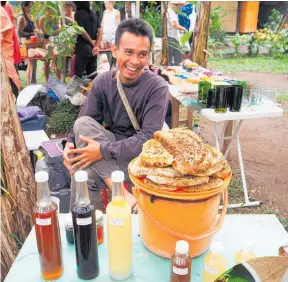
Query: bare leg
pixel 28 71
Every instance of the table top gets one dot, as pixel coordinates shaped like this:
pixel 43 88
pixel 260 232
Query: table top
pixel 27 94
pixel 33 139
pixel 266 231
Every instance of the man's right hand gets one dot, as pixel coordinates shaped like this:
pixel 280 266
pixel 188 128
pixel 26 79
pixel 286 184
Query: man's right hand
pixel 67 156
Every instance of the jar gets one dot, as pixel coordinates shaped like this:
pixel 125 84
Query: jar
pixel 203 88
pixel 69 229
pixel 100 226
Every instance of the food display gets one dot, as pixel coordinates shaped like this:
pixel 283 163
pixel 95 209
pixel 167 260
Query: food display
pixel 179 160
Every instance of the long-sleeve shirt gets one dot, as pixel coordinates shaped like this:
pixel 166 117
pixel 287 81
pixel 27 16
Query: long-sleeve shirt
pixel 148 98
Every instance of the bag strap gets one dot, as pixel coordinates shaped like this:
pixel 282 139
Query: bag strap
pixel 126 104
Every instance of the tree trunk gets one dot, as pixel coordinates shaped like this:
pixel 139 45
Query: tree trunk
pixel 201 34
pixel 17 182
pixel 129 11
pixel 164 57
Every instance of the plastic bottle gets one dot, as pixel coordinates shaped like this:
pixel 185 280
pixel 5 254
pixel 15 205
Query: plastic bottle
pixel 40 164
pixel 246 252
pixel 119 229
pixel 196 128
pixel 214 262
pixel 84 226
pixel 47 230
pixel 181 263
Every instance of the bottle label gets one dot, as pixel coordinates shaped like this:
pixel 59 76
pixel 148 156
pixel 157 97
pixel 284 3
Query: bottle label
pixel 180 271
pixel 84 221
pixel 43 221
pixel 117 221
pixel 211 270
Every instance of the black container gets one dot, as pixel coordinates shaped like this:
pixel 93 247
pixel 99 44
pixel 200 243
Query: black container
pixel 85 237
pixel 221 99
pixel 69 235
pixel 211 99
pixel 235 98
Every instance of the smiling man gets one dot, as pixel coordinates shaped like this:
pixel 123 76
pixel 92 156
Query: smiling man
pixel 102 149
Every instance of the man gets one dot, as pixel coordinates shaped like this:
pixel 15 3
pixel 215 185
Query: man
pixel 102 150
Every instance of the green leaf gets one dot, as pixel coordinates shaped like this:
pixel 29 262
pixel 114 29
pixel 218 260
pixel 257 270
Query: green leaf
pixel 185 38
pixel 179 12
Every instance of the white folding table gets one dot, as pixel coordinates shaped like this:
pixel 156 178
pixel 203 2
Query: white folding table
pixel 263 111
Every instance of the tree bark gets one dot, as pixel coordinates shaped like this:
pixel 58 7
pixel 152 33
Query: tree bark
pixel 164 57
pixel 17 181
pixel 129 11
pixel 201 34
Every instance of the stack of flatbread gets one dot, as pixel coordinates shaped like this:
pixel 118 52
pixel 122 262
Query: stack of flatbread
pixel 178 159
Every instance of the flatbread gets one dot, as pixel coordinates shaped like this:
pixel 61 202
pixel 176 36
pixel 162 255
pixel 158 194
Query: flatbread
pixel 213 183
pixel 225 172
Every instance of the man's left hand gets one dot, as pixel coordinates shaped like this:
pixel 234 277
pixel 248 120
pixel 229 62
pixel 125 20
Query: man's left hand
pixel 95 50
pixel 87 155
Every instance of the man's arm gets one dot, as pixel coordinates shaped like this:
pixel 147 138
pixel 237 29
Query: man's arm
pixel 153 120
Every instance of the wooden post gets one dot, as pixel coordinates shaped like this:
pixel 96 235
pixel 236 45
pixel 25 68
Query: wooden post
pixel 201 33
pixel 17 181
pixel 129 11
pixel 164 57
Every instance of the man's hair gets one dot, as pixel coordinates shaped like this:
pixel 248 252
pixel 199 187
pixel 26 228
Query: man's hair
pixel 135 26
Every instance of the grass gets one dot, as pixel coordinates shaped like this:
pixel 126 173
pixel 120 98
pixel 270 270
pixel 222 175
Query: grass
pixel 236 195
pixel 39 75
pixel 253 64
pixel 282 96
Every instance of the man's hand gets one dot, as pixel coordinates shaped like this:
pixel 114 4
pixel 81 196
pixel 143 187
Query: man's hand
pixel 95 50
pixel 87 155
pixel 67 155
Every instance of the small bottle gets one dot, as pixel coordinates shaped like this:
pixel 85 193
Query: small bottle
pixel 84 226
pixel 47 230
pixel 119 231
pixel 214 262
pixel 69 229
pixel 181 263
pixel 246 252
pixel 100 226
pixel 196 128
pixel 283 250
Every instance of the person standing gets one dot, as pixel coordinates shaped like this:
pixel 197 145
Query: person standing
pixel 90 39
pixel 26 29
pixel 184 20
pixel 110 21
pixel 7 50
pixel 173 28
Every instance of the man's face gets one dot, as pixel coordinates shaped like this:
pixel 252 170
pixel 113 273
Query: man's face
pixel 131 56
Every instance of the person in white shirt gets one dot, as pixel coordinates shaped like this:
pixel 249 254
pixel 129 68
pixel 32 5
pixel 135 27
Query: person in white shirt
pixel 110 21
pixel 173 28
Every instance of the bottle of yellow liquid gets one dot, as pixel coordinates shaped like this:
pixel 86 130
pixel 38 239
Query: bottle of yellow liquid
pixel 214 262
pixel 246 252
pixel 119 231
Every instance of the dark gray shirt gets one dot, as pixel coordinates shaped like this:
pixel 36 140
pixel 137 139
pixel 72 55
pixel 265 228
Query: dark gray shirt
pixel 148 98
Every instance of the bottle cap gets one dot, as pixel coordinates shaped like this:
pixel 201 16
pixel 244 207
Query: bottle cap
pixel 247 245
pixel 182 247
pixel 99 216
pixel 216 247
pixel 68 220
pixel 81 176
pixel 196 125
pixel 117 176
pixel 41 176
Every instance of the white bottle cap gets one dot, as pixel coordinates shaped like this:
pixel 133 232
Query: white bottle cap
pixel 216 247
pixel 247 245
pixel 117 176
pixel 182 247
pixel 41 176
pixel 81 176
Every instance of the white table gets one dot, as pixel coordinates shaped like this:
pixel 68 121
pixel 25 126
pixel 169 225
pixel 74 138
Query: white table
pixel 263 111
pixel 27 94
pixel 265 230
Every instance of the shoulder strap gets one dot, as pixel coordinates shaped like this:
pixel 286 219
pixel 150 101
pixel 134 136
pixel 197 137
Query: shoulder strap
pixel 126 104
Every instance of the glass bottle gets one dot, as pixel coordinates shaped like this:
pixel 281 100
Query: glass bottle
pixel 119 229
pixel 214 262
pixel 246 252
pixel 181 263
pixel 84 225
pixel 69 229
pixel 100 227
pixel 47 230
pixel 221 99
pixel 203 88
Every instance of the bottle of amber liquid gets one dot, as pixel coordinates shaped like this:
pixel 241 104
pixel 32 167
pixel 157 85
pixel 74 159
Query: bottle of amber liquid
pixel 283 251
pixel 85 233
pixel 47 230
pixel 181 263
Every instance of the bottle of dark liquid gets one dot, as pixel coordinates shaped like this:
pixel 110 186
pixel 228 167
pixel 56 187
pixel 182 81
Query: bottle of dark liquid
pixel 211 98
pixel 181 263
pixel 47 230
pixel 221 99
pixel 84 225
pixel 235 98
